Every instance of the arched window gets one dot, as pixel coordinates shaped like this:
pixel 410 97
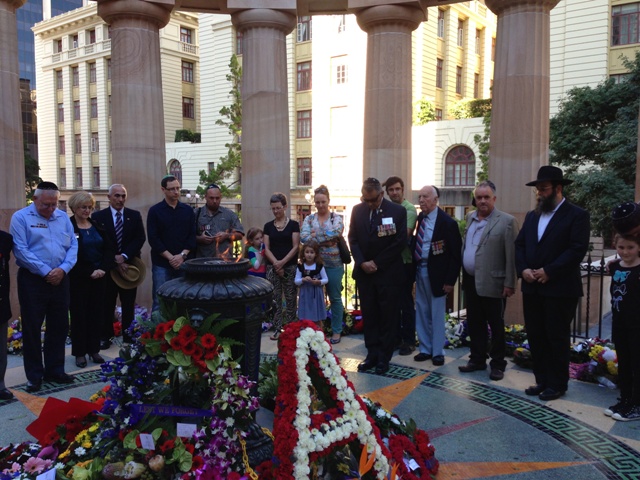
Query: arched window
pixel 460 167
pixel 175 169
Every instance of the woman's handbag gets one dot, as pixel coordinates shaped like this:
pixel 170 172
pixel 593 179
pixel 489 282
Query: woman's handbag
pixel 345 254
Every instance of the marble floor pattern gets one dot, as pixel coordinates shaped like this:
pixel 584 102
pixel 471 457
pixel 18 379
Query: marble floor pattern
pixel 479 428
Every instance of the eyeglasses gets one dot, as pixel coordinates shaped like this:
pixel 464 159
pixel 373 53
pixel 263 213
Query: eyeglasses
pixel 213 185
pixel 371 201
pixel 85 207
pixel 543 189
pixel 276 209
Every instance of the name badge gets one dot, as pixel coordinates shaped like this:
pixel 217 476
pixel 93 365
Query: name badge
pixel 387 221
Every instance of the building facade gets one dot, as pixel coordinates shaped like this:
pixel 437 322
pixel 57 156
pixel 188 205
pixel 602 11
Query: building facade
pixel 74 77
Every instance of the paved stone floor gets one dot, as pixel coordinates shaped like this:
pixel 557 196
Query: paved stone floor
pixel 480 428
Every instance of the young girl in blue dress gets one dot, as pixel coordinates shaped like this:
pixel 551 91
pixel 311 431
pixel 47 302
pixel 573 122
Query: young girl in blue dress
pixel 255 253
pixel 310 278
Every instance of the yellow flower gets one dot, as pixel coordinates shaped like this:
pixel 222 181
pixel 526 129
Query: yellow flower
pixel 612 368
pixel 64 454
pixel 595 352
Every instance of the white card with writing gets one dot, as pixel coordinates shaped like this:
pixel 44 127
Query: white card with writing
pixel 48 475
pixel 387 220
pixel 146 441
pixel 186 429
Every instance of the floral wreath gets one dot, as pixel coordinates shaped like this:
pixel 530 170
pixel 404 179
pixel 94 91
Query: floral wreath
pixel 302 436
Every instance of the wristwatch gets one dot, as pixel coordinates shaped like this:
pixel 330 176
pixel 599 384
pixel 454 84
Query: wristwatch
pixel 184 255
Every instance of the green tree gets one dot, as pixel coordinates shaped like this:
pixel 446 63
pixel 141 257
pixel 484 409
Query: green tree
pixel 594 138
pixel 424 111
pixel 31 174
pixel 232 119
pixel 470 108
pixel 482 141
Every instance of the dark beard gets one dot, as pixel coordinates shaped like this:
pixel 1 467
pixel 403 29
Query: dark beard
pixel 546 204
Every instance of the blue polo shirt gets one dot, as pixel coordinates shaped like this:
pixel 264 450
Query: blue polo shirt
pixel 172 229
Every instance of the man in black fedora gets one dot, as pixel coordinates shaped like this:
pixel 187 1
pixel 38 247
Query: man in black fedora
pixel 549 248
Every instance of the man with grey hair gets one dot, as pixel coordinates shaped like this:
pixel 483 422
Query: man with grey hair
pixel 125 231
pixel 489 278
pixel 46 249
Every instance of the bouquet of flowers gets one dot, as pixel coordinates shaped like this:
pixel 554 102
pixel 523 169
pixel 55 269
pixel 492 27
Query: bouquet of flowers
pixel 14 337
pixel 595 360
pixel 455 332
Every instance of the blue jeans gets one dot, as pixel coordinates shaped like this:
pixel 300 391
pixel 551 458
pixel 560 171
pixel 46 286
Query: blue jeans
pixel 160 275
pixel 334 291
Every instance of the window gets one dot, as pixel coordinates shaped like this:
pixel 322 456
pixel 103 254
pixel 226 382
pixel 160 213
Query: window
pixel 187 72
pixel 620 77
pixel 74 41
pixel 304 171
pixel 57 45
pixel 108 69
pixel 109 105
pixel 478 41
pixel 96 177
pixel 304 29
pixel 439 69
pixel 95 143
pixel 92 72
pixel 304 76
pixel 61 112
pixel 94 107
pixel 188 107
pixel 304 124
pixel 62 180
pixel 459 80
pixel 438 114
pixel 460 167
pixel 175 169
pixel 109 32
pixel 476 85
pixel 441 23
pixel 78 176
pixel 75 75
pixel 493 49
pixel 91 37
pixel 78 143
pixel 624 24
pixel 239 43
pixel 61 146
pixel 59 81
pixel 186 35
pixel 342 23
pixel 76 109
pixel 460 33
pixel 211 166
pixel 342 74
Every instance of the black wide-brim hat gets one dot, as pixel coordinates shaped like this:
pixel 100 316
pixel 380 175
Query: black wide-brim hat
pixel 549 173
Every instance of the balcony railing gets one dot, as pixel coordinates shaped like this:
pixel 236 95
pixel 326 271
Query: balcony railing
pixel 77 52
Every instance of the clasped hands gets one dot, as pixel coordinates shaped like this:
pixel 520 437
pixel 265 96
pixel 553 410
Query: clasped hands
pixel 532 275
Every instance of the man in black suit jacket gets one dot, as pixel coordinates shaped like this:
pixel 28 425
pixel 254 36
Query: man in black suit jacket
pixel 437 254
pixel 553 241
pixel 377 236
pixel 133 237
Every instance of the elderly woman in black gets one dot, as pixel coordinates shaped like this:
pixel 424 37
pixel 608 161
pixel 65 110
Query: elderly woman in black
pixel 281 243
pixel 95 259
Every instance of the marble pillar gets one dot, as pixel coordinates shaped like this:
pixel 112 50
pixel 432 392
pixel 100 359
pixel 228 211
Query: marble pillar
pixel 388 94
pixel 519 143
pixel 265 110
pixel 137 115
pixel 11 145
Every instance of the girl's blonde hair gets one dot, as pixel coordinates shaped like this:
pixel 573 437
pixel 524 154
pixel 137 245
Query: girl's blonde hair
pixel 248 240
pixel 316 248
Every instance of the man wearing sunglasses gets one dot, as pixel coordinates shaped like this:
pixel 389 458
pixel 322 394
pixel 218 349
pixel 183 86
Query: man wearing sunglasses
pixel 216 226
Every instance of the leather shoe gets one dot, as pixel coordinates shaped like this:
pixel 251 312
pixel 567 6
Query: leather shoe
pixel 496 374
pixel 5 394
pixel 33 387
pixel 438 360
pixel 366 365
pixel 62 378
pixel 406 349
pixel 551 394
pixel 382 367
pixel 422 357
pixel 81 362
pixel 472 367
pixel 534 390
pixel 105 344
pixel 96 358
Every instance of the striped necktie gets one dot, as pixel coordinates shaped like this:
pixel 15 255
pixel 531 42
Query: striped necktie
pixel 417 253
pixel 119 230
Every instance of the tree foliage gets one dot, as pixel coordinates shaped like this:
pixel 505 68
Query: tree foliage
pixel 31 174
pixel 594 138
pixel 482 141
pixel 424 112
pixel 473 108
pixel 231 117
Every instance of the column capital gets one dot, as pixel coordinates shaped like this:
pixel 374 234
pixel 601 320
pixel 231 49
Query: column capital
pixel 114 10
pixel 16 4
pixel 265 18
pixel 408 16
pixel 499 6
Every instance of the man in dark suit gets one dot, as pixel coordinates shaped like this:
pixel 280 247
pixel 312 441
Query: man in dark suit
pixel 488 278
pixel 377 236
pixel 553 241
pixel 129 236
pixel 437 255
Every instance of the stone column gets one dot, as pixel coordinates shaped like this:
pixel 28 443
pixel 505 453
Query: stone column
pixel 137 115
pixel 11 146
pixel 265 110
pixel 519 142
pixel 388 94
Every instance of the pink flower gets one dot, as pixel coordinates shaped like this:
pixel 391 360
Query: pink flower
pixel 36 465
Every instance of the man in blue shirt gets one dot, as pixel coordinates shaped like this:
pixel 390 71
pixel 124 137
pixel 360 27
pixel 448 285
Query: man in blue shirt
pixel 46 249
pixel 171 229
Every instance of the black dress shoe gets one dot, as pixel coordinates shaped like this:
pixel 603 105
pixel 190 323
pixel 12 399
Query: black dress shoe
pixel 472 367
pixel 422 357
pixel 406 349
pixel 382 367
pixel 105 344
pixel 533 390
pixel 496 374
pixel 33 387
pixel 81 362
pixel 366 365
pixel 96 358
pixel 551 394
pixel 62 378
pixel 438 360
pixel 5 394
